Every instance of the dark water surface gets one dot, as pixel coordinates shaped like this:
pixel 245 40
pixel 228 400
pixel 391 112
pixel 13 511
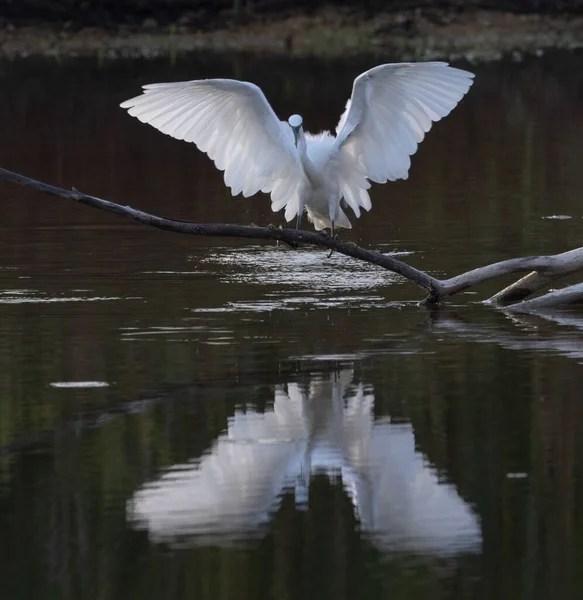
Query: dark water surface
pixel 200 418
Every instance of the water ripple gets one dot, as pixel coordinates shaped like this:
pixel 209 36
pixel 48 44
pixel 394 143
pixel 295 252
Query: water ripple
pixel 306 270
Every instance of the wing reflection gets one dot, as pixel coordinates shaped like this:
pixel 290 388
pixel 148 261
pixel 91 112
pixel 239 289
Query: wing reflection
pixel 231 493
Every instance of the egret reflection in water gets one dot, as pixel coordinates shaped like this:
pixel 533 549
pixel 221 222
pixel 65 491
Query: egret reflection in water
pixel 230 494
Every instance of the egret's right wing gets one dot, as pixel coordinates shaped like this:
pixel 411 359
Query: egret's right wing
pixel 232 490
pixel 234 124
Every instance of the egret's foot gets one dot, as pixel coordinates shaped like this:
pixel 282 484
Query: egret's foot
pixel 334 237
pixel 280 227
pixel 271 227
pixel 254 224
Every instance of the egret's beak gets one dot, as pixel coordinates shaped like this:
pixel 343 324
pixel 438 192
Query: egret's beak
pixel 296 131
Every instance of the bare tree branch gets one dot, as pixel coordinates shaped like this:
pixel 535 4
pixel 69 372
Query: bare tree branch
pixel 552 267
pixel 546 268
pixel 566 297
pixel 521 289
pixel 532 283
pixel 293 237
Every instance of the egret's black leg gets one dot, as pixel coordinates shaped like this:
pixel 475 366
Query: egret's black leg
pixel 299 219
pixel 331 235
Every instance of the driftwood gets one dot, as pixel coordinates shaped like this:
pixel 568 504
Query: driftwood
pixel 542 269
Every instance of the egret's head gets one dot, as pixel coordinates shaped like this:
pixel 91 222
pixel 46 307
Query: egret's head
pixel 295 122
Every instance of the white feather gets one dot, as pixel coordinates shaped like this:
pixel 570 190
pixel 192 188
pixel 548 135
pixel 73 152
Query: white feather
pixel 233 123
pixel 391 109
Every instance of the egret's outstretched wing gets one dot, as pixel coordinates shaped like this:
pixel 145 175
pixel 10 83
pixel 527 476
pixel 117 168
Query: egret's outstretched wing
pixel 400 500
pixel 231 492
pixel 234 124
pixel 391 109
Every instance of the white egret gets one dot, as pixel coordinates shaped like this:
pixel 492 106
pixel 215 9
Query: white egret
pixel 391 108
pixel 231 493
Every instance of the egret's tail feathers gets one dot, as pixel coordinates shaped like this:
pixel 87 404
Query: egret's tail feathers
pixel 320 223
pixel 342 220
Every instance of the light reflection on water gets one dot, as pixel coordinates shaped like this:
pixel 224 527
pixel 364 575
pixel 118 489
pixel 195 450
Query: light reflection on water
pixel 18 299
pixel 79 384
pixel 295 280
pixel 304 269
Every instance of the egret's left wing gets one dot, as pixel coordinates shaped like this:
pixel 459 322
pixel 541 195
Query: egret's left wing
pixel 391 109
pixel 401 502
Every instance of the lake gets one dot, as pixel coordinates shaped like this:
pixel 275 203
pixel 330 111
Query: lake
pixel 207 418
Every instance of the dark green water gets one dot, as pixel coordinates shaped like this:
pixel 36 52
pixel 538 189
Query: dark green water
pixel 198 418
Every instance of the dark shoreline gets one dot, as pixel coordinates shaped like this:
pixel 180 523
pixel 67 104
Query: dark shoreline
pixel 478 35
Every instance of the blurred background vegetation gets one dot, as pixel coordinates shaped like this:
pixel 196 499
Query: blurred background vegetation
pixel 134 11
